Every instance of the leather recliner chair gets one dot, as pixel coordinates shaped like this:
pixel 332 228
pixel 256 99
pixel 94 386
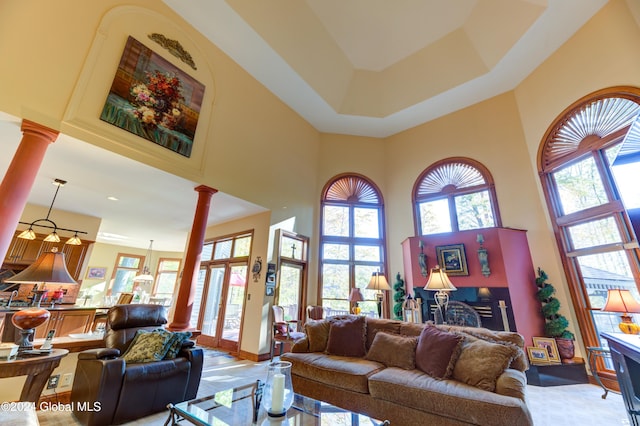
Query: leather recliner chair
pixel 108 391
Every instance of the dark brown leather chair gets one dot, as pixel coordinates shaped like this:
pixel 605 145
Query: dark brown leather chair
pixel 108 391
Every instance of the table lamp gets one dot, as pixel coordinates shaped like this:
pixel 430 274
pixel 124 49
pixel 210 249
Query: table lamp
pixel 355 297
pixel 440 283
pixel 378 283
pixel 619 300
pixel 49 268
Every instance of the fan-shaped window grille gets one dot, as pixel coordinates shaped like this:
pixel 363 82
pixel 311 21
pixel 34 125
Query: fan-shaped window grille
pixel 588 124
pixel 454 194
pixel 352 245
pixel 589 162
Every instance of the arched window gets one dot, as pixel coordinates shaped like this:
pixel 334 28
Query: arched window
pixel 588 163
pixel 454 194
pixel 352 242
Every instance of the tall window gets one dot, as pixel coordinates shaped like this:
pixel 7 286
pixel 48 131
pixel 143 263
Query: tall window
pixel 454 194
pixel 352 243
pixel 127 267
pixel 166 277
pixel 293 251
pixel 589 166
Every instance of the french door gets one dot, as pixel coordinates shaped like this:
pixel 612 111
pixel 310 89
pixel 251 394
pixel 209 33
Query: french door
pixel 222 305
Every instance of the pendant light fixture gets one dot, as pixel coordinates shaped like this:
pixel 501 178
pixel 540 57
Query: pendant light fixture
pixel 146 272
pixel 53 237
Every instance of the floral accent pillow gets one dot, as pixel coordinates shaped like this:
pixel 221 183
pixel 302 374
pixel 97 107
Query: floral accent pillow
pixel 147 346
pixel 175 343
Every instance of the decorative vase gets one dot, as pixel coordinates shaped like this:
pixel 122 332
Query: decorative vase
pixel 566 348
pixel 278 392
pixel 26 320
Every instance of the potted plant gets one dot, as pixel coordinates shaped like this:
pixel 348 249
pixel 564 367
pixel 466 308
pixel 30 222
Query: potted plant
pixel 398 296
pixel 555 323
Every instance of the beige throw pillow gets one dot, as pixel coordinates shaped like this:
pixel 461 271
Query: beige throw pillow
pixel 393 350
pixel 317 333
pixel 481 363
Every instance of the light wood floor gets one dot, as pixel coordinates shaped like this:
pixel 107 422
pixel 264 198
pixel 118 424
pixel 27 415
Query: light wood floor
pixel 550 406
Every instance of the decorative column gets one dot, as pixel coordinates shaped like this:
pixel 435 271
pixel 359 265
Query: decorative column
pixel 20 176
pixel 187 289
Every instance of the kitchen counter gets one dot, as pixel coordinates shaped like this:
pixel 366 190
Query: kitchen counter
pixel 65 319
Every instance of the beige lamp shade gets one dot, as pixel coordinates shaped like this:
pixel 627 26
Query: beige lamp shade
pixel 439 281
pixel 378 282
pixel 619 300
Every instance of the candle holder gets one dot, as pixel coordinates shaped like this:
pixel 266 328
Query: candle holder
pixel 278 392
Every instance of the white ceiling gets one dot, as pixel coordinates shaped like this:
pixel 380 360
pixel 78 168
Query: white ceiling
pixel 361 67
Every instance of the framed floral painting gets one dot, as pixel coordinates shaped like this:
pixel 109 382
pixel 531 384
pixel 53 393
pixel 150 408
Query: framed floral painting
pixel 152 98
pixel 452 259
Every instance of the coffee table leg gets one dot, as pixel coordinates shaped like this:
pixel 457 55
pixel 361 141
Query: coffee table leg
pixel 172 416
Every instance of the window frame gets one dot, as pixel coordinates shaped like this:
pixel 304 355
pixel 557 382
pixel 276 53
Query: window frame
pixel 450 192
pixel 351 241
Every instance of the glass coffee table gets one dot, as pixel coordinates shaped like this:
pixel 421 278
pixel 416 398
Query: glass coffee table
pixel 239 406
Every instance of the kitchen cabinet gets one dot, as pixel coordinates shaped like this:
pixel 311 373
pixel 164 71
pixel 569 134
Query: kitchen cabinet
pixel 67 322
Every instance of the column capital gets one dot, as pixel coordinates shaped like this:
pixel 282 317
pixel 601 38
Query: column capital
pixel 29 126
pixel 205 188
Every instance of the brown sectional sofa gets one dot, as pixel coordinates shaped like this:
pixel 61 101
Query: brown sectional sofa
pixel 407 395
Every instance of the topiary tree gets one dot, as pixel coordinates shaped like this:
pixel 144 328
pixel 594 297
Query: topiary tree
pixel 555 324
pixel 398 296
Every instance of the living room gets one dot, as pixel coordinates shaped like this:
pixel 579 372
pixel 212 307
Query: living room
pixel 265 149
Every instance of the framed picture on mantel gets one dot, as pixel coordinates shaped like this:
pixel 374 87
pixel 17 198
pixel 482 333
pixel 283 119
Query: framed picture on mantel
pixel 452 259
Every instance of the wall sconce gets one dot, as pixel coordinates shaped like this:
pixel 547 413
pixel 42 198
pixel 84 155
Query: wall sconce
pixel 422 259
pixel 483 256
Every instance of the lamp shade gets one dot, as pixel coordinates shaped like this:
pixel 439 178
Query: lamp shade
pixel 378 282
pixel 50 268
pixel 619 300
pixel 439 281
pixel 355 295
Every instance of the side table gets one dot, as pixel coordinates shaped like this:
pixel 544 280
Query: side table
pixel 37 368
pixel 596 352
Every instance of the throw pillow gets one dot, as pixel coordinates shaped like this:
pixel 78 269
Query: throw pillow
pixel 147 346
pixel 481 362
pixel 393 350
pixel 317 333
pixel 347 337
pixel 437 352
pixel 174 344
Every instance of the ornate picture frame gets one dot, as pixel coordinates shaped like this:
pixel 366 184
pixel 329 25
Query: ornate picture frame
pixel 96 273
pixel 452 259
pixel 549 344
pixel 538 355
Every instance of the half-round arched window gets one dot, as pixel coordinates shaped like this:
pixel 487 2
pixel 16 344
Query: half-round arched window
pixel 454 194
pixel 352 243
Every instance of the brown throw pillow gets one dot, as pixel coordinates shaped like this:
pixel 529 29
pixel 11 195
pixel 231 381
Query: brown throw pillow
pixel 318 334
pixel 437 352
pixel 393 350
pixel 347 337
pixel 481 362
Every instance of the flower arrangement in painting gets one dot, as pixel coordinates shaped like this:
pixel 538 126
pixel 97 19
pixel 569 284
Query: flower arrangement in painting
pixel 157 101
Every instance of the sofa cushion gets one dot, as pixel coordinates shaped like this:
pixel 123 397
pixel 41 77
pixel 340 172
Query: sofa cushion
pixel 455 402
pixel 437 352
pixel 338 371
pixel 393 350
pixel 318 334
pixel 520 362
pixel 374 325
pixel 147 346
pixel 481 362
pixel 347 337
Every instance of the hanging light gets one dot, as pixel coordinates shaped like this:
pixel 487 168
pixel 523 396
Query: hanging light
pixel 146 272
pixel 53 237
